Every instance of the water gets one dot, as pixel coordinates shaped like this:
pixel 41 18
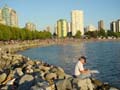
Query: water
pixel 103 56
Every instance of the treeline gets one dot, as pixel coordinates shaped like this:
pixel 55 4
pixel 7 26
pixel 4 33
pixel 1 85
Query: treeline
pixel 13 33
pixel 102 34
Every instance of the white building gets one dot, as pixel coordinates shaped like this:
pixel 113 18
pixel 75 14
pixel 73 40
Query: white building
pixel 2 21
pixel 91 28
pixel 30 26
pixel 69 28
pixel 77 22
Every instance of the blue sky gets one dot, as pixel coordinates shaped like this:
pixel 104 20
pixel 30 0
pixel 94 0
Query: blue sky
pixel 47 12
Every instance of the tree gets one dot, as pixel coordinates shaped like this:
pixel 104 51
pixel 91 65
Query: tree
pixel 78 34
pixel 92 34
pixel 101 33
pixel 14 33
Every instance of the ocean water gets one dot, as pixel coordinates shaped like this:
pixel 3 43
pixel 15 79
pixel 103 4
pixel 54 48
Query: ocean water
pixel 101 56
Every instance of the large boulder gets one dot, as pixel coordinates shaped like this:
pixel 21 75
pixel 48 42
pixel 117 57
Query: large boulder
pixel 64 84
pixel 3 76
pixel 43 86
pixel 44 68
pixel 113 88
pixel 18 72
pixel 50 76
pixel 30 62
pixel 82 84
pixel 26 82
pixel 59 72
pixel 74 84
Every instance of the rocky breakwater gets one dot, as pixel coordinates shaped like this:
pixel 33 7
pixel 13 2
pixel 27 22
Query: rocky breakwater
pixel 20 73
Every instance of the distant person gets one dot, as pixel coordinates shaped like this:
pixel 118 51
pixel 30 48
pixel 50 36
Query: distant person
pixel 80 72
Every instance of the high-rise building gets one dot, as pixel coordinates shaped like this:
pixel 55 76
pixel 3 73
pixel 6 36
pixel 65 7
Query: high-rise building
pixel 2 21
pixel 101 25
pixel 0 14
pixel 55 29
pixel 30 26
pixel 69 27
pixel 77 22
pixel 118 25
pixel 113 26
pixel 61 28
pixel 48 28
pixel 91 28
pixel 10 16
pixel 13 18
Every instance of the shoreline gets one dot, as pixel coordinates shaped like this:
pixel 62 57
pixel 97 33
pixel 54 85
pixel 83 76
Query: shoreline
pixel 15 68
pixel 15 46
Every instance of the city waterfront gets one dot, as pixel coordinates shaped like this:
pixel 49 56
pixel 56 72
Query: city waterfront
pixel 103 56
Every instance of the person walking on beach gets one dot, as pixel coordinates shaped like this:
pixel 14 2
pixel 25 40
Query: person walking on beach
pixel 80 72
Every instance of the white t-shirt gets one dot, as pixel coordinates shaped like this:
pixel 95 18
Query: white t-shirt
pixel 79 67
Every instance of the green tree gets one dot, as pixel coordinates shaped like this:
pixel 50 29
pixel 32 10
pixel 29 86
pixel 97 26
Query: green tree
pixel 101 33
pixel 78 34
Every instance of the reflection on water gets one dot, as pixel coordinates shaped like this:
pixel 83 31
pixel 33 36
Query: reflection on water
pixel 104 56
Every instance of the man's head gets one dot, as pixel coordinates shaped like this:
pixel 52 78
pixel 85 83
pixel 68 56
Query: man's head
pixel 82 59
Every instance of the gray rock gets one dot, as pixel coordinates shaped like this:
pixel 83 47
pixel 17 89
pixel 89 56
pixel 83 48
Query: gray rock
pixel 30 62
pixel 26 78
pixel 18 71
pixel 26 82
pixel 3 76
pixel 82 84
pixel 42 86
pixel 50 76
pixel 44 68
pixel 60 69
pixel 112 88
pixel 65 84
pixel 60 75
pixel 54 69
pixel 59 72
pixel 4 88
pixel 96 82
pixel 29 69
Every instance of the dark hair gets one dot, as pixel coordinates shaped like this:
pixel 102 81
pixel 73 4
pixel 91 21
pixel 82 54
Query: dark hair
pixel 83 57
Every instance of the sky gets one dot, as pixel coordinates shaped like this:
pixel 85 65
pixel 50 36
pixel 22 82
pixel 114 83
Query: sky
pixel 46 12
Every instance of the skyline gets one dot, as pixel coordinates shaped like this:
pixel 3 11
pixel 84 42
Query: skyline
pixel 44 13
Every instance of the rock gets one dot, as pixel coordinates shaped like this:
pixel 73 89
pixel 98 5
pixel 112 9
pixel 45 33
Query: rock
pixel 26 82
pixel 60 69
pixel 59 72
pixel 60 75
pixel 3 76
pixel 65 84
pixel 30 62
pixel 50 76
pixel 10 76
pixel 29 69
pixel 96 83
pixel 11 82
pixel 54 69
pixel 26 78
pixel 82 84
pixel 44 68
pixel 18 71
pixel 43 86
pixel 112 88
pixel 68 76
pixel 4 88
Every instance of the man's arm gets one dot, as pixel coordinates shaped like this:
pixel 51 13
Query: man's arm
pixel 86 71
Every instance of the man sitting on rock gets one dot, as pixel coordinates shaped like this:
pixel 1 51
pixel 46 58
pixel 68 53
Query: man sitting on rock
pixel 80 72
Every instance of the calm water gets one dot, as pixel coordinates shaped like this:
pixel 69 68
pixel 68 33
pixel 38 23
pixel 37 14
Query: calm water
pixel 103 56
